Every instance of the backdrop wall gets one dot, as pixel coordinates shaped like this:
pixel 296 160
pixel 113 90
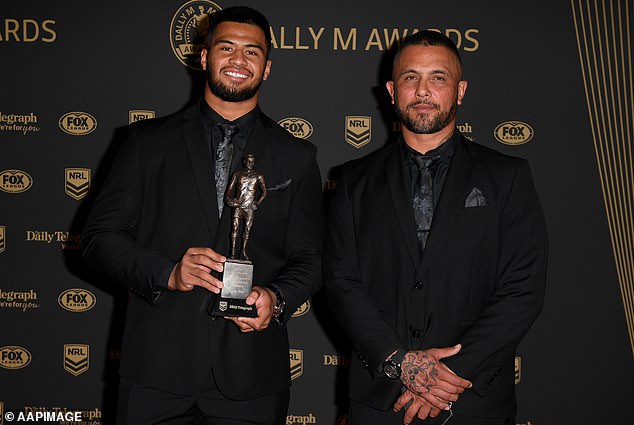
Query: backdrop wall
pixel 548 81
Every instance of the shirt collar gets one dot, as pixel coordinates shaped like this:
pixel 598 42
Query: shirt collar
pixel 245 123
pixel 444 151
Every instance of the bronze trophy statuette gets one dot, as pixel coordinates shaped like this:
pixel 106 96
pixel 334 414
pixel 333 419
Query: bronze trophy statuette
pixel 237 276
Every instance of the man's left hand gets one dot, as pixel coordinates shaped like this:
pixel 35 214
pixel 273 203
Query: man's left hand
pixel 415 406
pixel 264 300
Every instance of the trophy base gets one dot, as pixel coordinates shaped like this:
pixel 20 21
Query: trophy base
pixel 232 307
pixel 237 279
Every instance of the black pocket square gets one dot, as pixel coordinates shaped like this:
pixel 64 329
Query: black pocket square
pixel 475 199
pixel 280 187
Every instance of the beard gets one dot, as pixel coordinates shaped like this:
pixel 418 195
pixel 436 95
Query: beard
pixel 425 123
pixel 231 94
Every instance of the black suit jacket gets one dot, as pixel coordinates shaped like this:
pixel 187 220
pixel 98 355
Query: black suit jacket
pixel 480 282
pixel 160 199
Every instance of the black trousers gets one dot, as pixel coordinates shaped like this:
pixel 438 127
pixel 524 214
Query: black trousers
pixel 364 415
pixel 141 405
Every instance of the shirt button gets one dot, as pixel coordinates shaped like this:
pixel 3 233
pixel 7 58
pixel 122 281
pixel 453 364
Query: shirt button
pixel 419 285
pixel 416 333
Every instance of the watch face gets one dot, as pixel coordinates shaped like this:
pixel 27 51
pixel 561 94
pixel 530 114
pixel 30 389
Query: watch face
pixel 392 370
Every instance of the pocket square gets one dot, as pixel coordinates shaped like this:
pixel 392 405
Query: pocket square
pixel 280 187
pixel 475 199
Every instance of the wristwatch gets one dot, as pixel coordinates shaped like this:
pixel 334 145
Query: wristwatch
pixel 280 304
pixel 392 366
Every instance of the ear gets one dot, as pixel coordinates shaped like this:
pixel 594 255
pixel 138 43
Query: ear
pixel 267 70
pixel 390 89
pixel 462 89
pixel 203 58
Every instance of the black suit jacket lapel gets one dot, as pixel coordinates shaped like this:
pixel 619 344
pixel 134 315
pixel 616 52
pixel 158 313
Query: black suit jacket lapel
pixel 202 168
pixel 258 145
pixel 401 200
pixel 451 200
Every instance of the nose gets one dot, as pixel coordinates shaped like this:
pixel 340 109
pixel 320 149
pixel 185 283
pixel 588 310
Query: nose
pixel 422 90
pixel 237 57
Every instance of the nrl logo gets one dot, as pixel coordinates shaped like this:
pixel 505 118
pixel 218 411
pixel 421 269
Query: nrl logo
pixel 77 184
pixel 222 306
pixel 358 130
pixel 76 358
pixel 2 239
pixel 140 115
pixel 302 309
pixel 297 363
pixel 518 370
pixel 188 31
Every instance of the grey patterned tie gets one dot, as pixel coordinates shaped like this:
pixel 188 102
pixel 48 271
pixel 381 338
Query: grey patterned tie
pixel 423 198
pixel 223 161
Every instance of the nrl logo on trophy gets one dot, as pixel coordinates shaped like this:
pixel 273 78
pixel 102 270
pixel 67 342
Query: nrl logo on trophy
pixel 237 277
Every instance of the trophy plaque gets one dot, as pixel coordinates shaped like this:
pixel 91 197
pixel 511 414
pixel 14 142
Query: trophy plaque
pixel 237 276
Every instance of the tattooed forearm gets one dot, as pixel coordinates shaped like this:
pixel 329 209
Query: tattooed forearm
pixel 419 372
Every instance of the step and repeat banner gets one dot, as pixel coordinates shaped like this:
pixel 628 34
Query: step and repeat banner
pixel 548 81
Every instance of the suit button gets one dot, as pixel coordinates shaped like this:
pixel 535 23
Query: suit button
pixel 419 285
pixel 416 333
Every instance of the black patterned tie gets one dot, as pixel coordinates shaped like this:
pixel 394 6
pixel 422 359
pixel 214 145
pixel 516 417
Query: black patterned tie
pixel 423 199
pixel 223 161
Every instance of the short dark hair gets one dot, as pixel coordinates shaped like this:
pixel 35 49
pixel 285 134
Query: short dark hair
pixel 427 38
pixel 242 15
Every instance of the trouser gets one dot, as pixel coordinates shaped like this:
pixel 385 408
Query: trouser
pixel 141 405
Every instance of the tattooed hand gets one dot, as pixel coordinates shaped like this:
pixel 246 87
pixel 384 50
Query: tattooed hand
pixel 424 375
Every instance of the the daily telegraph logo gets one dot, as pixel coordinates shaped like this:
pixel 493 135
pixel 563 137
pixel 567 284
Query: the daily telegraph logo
pixel 77 300
pixel 68 241
pixel 3 244
pixel 77 123
pixel 297 362
pixel 77 182
pixel 518 370
pixel 19 123
pixel 301 419
pixel 14 357
pixel 21 300
pixel 140 115
pixel 513 133
pixel 336 360
pixel 298 127
pixel 302 309
pixel 76 358
pixel 188 30
pixel 15 181
pixel 358 130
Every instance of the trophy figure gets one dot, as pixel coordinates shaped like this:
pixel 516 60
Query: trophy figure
pixel 237 276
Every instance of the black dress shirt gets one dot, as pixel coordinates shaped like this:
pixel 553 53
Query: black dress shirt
pixel 245 123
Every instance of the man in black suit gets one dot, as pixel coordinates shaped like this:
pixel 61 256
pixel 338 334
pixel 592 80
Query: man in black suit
pixel 434 259
pixel 160 227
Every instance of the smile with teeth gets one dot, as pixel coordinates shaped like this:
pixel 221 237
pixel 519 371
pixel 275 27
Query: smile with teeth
pixel 236 74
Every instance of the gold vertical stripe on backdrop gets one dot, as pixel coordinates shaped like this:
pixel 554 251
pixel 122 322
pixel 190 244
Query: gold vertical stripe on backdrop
pixel 605 54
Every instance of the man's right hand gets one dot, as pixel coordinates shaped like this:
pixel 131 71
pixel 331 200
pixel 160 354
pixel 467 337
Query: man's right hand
pixel 194 269
pixel 424 375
